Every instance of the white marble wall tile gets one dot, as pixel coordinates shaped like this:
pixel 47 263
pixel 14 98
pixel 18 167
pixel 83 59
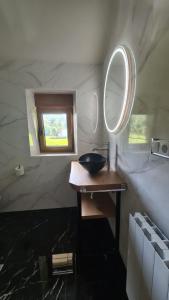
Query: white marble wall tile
pixel 45 183
pixel 144 26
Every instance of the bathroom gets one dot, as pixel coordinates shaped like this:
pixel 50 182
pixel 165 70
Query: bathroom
pixel 66 46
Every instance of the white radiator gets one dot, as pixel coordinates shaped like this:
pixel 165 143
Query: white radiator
pixel 148 261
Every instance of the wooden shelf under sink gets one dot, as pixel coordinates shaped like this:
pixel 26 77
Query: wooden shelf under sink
pixel 101 206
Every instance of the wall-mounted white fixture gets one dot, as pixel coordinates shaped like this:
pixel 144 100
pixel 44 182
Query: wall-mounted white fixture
pixel 119 89
pixel 148 260
pixel 160 147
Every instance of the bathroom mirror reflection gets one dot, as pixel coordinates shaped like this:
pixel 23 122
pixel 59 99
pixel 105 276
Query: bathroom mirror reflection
pixel 95 110
pixel 119 89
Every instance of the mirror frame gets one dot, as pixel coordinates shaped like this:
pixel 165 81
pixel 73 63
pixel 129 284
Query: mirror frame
pixel 130 87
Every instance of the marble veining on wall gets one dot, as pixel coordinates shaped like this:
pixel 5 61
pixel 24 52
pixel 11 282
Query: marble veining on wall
pixel 144 26
pixel 45 183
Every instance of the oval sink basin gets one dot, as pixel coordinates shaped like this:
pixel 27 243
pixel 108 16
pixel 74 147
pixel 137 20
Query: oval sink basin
pixel 92 162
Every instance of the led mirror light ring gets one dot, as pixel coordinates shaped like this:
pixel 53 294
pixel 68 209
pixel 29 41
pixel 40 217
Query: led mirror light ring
pixel 129 89
pixel 122 51
pixel 132 84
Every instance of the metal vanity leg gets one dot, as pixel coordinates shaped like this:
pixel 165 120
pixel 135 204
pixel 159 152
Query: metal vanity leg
pixel 117 229
pixel 78 229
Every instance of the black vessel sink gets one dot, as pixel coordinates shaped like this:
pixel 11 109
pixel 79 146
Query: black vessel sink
pixel 92 162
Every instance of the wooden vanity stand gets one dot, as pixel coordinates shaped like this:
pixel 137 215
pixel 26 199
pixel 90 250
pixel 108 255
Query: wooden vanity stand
pixel 93 194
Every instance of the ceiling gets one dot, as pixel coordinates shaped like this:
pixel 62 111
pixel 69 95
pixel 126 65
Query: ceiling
pixel 73 31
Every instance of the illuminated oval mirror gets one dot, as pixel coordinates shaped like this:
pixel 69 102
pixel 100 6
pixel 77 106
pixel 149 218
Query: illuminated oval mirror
pixel 119 89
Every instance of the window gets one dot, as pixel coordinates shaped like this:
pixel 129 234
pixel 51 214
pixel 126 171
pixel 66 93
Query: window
pixel 140 129
pixel 55 122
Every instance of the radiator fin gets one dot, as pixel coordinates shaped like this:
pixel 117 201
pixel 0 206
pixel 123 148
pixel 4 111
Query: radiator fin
pixel 148 260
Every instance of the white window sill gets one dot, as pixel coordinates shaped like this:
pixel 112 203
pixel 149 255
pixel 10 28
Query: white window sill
pixel 53 154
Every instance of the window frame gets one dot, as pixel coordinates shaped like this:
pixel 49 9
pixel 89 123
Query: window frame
pixel 52 108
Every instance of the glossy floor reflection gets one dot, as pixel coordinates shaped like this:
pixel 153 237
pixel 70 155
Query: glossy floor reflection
pixel 102 273
pixel 27 242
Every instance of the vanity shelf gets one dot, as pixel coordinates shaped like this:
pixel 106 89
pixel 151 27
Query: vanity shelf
pixel 100 184
pixel 99 206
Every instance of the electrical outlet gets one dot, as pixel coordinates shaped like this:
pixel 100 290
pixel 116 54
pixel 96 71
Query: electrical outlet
pixel 160 147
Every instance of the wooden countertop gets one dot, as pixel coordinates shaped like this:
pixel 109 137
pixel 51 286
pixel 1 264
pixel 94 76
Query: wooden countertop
pixel 82 181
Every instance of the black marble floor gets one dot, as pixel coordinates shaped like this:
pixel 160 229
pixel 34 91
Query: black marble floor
pixel 102 273
pixel 27 241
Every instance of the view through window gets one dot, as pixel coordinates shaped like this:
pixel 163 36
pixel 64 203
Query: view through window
pixel 55 127
pixel 55 122
pixel 138 129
